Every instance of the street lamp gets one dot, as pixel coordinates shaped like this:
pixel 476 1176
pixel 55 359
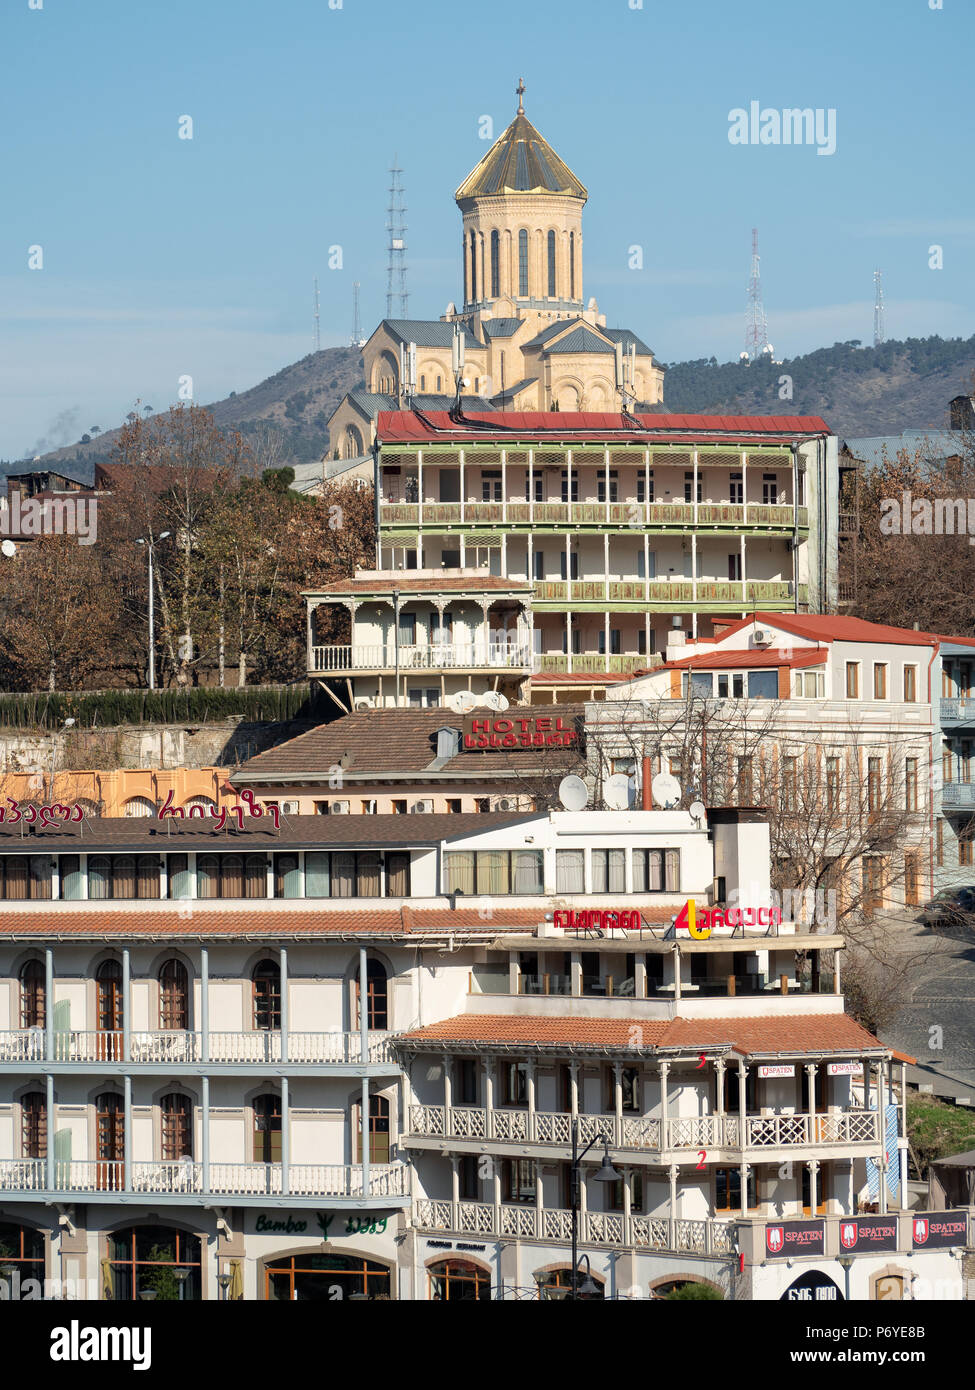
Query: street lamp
pixel 152 606
pixel 607 1173
pixel 224 1281
pixel 147 1294
pixel 182 1273
pixel 845 1263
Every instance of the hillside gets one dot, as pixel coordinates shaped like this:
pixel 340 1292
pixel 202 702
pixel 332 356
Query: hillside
pixel 857 390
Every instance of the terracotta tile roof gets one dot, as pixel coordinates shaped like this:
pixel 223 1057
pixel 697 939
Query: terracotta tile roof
pixel 138 833
pixel 764 1034
pixel 404 425
pixel 264 919
pixel 393 740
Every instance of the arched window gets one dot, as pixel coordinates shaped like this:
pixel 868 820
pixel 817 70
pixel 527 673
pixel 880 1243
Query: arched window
pixel 459 1280
pixel 267 995
pixel 572 265
pixel 32 995
pixel 33 1124
pixel 255 876
pixel 99 876
pixel 523 263
pixel 314 1276
pixel 110 1138
pixel 203 803
pixel 231 876
pixel 140 806
pixel 551 265
pixel 123 876
pixel 267 1129
pixel 174 996
pixel 23 1247
pixel 495 264
pixel 378 1130
pixel 377 993
pixel 555 1283
pixel 207 876
pixel 473 267
pixel 108 985
pixel 147 1257
pixel 147 876
pixel 177 1127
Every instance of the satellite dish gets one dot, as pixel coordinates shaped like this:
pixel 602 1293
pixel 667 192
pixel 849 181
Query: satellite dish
pixel 573 793
pixel 666 791
pixel 8 548
pixel 462 701
pixel 493 699
pixel 616 792
pixel 503 702
pixel 698 810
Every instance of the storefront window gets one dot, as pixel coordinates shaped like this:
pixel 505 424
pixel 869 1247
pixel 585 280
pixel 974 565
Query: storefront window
pixel 22 1248
pixel 152 1257
pixel 459 1280
pixel 323 1278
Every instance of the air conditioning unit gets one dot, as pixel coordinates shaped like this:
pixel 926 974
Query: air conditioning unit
pixel 365 702
pixel 506 803
pixel 290 808
pixel 764 636
pixel 422 806
pixel 339 808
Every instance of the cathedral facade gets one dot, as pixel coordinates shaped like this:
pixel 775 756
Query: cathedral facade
pixel 531 339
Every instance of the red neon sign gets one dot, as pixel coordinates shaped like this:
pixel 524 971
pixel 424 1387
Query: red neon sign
pixel 46 814
pixel 220 816
pixel 539 731
pixel 625 919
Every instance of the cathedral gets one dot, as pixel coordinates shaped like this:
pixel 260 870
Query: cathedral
pixel 531 341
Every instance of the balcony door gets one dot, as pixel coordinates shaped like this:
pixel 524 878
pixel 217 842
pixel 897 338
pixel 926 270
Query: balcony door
pixel 267 1129
pixel 108 984
pixel 110 1141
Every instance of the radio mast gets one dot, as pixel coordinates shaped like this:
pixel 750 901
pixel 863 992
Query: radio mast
pixel 756 325
pixel 396 226
pixel 879 312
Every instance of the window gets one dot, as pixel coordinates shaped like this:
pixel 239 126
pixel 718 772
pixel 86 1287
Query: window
pixel 176 1113
pixel 551 265
pixel 490 484
pixel 23 1247
pixel 570 570
pixel 770 489
pixel 910 784
pixel 656 870
pixel 174 996
pixel 614 486
pixel 33 1126
pixel 513 1082
pixel 534 484
pixel 378 1130
pixel 70 875
pixel 518 1180
pixel 689 488
pixel 287 876
pixel 26 876
pixel 565 488
pixel 145 1257
pixel 609 871
pixel 178 874
pixel 108 988
pixel 737 490
pixel 732 687
pixel 459 1280
pixel 853 680
pixel 832 784
pixel 267 1129
pixel 727 1189
pixel 939 843
pixel 789 782
pixel 32 995
pixel 874 769
pixel 465 1071
pixel 763 685
pixel 947 766
pixel 809 685
pixel 377 992
pixel 266 990
pixel 495 264
pixel 734 566
pixel 910 684
pixel 110 1140
pixel 615 641
pixel 523 263
pixel 570 876
pixel 473 267
pixel 572 265
pixel 614 1194
pixel 965 839
pixel 316 1276
pixel 207 876
pixel 441 625
pixel 911 879
pixel 880 680
pixel 744 780
pixel 562 1279
pixel 873 884
pixel 494 872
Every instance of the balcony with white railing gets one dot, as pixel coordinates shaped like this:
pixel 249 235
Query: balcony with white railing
pixel 176 1046
pixel 507 1219
pixel 435 656
pixel 653 1137
pixel 89 1177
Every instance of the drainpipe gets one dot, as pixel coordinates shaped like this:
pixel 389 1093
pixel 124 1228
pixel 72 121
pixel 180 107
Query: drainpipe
pixel 647 784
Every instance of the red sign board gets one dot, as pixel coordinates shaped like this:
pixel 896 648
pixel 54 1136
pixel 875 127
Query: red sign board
pixel 599 919
pixel 538 731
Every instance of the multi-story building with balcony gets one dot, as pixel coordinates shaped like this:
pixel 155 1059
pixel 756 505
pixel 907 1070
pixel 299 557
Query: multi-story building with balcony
pixel 609 532
pixel 954 786
pixel 347 1057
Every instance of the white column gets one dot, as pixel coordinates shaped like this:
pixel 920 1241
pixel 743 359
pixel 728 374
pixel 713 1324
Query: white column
pixel 286 1139
pixel 606 481
pixel 694 581
pixel 664 1117
pixel 489 1097
pixel 504 501
pixel 531 497
pixel 205 1128
pixel 462 502
pixel 606 565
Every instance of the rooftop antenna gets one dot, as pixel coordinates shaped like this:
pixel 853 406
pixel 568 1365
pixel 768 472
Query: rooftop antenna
pixel 318 324
pixel 356 330
pixel 756 325
pixel 396 226
pixel 879 312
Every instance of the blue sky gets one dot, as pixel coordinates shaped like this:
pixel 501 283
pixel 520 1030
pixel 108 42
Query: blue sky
pixel 165 257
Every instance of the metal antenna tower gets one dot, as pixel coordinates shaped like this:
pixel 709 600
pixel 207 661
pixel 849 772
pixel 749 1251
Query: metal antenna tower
pixel 756 325
pixel 318 323
pixel 879 312
pixel 356 333
pixel 396 226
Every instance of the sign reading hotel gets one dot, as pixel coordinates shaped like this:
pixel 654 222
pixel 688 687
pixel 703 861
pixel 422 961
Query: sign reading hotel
pixel 539 731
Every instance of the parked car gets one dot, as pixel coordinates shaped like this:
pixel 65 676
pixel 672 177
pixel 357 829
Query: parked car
pixel 952 907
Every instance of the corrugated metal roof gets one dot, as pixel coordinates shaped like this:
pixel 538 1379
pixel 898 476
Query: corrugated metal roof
pixel 626 336
pixel 565 426
pixel 930 444
pixel 429 332
pixel 501 328
pixel 581 339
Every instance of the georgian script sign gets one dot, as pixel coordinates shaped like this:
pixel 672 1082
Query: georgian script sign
pixel 46 815
pixel 937 1229
pixel 539 731
pixel 598 919
pixel 221 815
pixel 709 918
pixel 814 1287
pixel 795 1238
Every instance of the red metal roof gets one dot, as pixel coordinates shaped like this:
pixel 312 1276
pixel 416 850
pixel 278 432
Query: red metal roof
pixel 404 426
pixel 750 656
pixel 832 627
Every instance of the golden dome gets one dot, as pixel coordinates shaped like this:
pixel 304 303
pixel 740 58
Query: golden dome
pixel 520 161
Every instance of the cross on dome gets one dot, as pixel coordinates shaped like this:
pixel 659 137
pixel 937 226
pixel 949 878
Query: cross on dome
pixel 520 92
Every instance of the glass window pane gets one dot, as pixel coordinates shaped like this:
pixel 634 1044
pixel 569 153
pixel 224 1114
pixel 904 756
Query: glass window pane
pixel 527 875
pixel 493 871
pixel 367 875
pixel 147 876
pixel 398 875
pixel 600 870
pixel 255 876
pixel 317 876
pixel 639 871
pixel 460 871
pixel 343 875
pixel 570 871
pixel 207 876
pixel 287 879
pixel 99 880
pixel 763 685
pixel 617 871
pixel 70 867
pixel 180 882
